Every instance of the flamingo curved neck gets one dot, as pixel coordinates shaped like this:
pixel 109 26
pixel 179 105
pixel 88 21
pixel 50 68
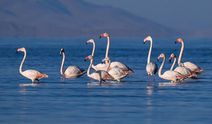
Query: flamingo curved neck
pixel 94 48
pixel 181 54
pixel 22 62
pixel 107 50
pixel 174 62
pixel 150 51
pixel 62 63
pixel 161 67
pixel 93 53
pixel 89 68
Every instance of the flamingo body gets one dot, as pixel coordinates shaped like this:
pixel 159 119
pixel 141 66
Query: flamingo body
pixel 171 75
pixel 100 66
pixel 33 75
pixel 73 72
pixel 151 68
pixel 117 73
pixel 122 66
pixel 194 68
pixel 182 70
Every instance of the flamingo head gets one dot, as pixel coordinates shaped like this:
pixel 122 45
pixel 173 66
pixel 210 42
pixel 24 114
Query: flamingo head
pixel 90 41
pixel 148 38
pixel 21 49
pixel 179 40
pixel 104 35
pixel 90 57
pixel 62 50
pixel 172 56
pixel 162 55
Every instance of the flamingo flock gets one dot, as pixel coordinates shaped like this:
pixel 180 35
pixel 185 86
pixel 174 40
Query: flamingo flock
pixel 109 70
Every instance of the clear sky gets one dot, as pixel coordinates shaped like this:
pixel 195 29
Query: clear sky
pixel 179 14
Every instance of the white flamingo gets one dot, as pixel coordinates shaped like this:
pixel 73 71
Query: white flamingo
pixel 107 59
pixel 71 71
pixel 97 75
pixel 30 74
pixel 151 67
pixel 100 66
pixel 168 75
pixel 193 67
pixel 115 72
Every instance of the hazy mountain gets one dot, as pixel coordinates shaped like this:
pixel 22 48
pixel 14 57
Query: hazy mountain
pixel 71 18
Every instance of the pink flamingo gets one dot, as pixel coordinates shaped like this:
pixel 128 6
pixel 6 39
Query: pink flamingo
pixel 33 75
pixel 191 66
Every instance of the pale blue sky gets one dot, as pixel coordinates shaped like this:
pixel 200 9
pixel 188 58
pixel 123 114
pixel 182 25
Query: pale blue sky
pixel 179 14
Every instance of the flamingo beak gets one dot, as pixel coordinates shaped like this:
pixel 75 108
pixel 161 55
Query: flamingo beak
pixel 170 60
pixel 175 42
pixel 158 58
pixel 62 51
pixel 100 37
pixel 103 60
pixel 86 58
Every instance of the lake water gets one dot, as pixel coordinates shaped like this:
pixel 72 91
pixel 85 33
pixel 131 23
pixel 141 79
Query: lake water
pixel 82 101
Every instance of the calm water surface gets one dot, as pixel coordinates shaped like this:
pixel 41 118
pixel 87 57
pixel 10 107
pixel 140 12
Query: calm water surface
pixel 136 100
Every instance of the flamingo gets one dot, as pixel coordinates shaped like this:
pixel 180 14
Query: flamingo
pixel 151 67
pixel 115 72
pixel 33 75
pixel 193 67
pixel 97 75
pixel 71 71
pixel 168 75
pixel 107 59
pixel 100 66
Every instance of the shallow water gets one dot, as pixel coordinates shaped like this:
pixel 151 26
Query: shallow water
pixel 136 100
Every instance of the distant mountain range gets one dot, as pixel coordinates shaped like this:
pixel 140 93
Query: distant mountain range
pixel 67 18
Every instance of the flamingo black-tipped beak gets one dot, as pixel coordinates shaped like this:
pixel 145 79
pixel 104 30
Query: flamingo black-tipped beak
pixel 86 58
pixel 100 37
pixel 175 42
pixel 170 60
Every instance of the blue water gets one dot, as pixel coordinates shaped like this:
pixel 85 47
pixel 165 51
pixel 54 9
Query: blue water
pixel 136 100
